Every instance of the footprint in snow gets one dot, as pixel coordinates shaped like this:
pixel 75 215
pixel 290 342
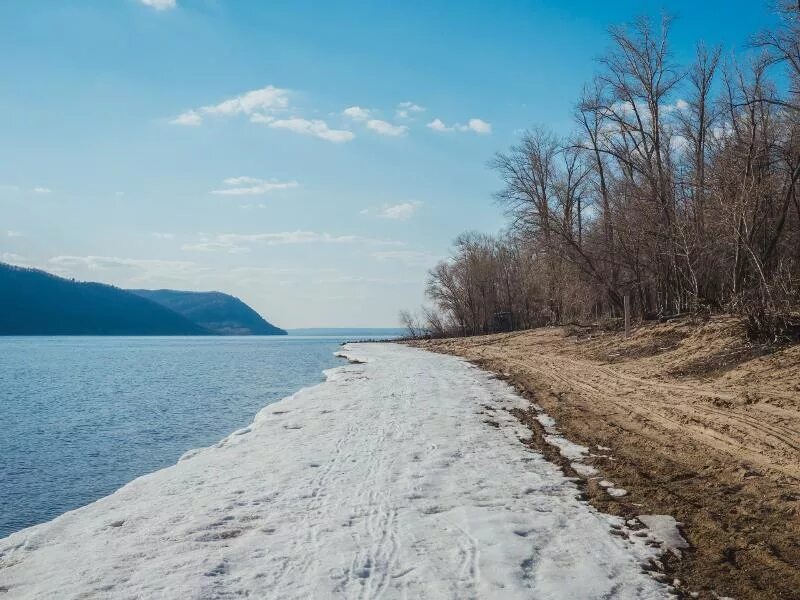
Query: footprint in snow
pixel 220 569
pixel 433 510
pixel 216 536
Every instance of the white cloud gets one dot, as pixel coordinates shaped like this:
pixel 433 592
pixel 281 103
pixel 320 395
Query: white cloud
pixel 212 246
pixel 135 269
pixel 12 233
pixel 163 236
pixel 357 113
pixel 400 212
pixel 190 118
pixel 243 181
pixel 479 126
pixel 315 127
pixel 10 257
pixel 404 109
pixel 269 98
pixel 160 4
pixel 475 125
pixel 438 125
pixel 42 190
pixel 264 106
pixel 385 128
pixel 240 242
pixel 261 102
pixel 251 186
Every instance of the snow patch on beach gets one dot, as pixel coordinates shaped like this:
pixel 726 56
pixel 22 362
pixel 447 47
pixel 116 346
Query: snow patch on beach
pixel 402 476
pixel 664 530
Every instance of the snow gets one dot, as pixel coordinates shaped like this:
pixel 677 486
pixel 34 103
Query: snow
pixel 384 481
pixel 583 469
pixel 567 449
pixel 573 452
pixel 664 530
pixel 546 420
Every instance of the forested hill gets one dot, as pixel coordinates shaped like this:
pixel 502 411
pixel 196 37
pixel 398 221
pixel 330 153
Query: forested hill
pixel 34 302
pixel 221 313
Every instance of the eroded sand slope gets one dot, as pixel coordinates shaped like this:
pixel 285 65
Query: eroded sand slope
pixel 699 426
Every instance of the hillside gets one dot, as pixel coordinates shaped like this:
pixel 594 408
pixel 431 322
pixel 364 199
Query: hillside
pixel 218 312
pixel 34 302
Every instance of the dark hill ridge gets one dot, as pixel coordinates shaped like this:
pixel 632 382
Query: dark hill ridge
pixel 221 313
pixel 34 302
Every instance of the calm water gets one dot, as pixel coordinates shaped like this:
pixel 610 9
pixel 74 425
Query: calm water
pixel 81 416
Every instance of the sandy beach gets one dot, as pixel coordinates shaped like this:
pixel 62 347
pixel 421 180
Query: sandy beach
pixel 692 420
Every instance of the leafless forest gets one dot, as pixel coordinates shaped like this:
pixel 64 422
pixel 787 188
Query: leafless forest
pixel 678 187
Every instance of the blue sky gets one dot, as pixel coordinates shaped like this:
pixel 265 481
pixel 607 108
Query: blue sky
pixel 207 144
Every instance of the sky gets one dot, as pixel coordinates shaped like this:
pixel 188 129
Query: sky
pixel 315 159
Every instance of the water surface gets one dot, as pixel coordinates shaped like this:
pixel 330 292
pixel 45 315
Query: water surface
pixel 82 416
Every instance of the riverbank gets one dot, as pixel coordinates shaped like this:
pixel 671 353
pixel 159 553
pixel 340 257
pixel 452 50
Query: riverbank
pixel 402 475
pixel 692 421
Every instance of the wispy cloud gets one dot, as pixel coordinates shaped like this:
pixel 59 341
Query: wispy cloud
pixel 190 118
pixel 267 106
pixel 14 234
pixel 362 279
pixel 159 235
pixel 314 127
pixel 475 125
pixel 134 269
pixel 14 259
pixel 216 246
pixel 240 242
pixel 409 257
pixel 263 101
pixel 386 128
pixel 26 190
pixel 406 109
pixel 160 4
pixel 252 186
pixel 399 212
pixel 367 116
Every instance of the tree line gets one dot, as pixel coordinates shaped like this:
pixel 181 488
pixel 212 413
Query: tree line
pixel 678 187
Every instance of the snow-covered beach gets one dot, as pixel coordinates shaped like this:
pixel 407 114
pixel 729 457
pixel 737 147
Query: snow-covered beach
pixel 401 476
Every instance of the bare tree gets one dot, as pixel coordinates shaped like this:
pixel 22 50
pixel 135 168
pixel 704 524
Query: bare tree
pixel 687 201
